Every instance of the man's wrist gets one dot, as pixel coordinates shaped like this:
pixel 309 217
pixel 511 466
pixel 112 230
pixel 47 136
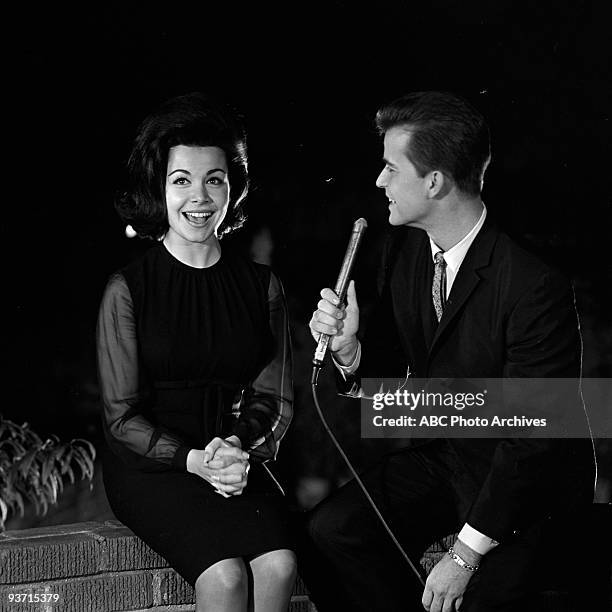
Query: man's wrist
pixel 466 553
pixel 345 356
pixel 461 562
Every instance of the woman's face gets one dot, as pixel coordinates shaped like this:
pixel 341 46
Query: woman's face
pixel 197 193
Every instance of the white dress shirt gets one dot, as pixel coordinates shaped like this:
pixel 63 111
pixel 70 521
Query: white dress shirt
pixel 454 256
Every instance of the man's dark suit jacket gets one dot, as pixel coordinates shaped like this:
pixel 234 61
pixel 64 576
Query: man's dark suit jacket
pixel 508 315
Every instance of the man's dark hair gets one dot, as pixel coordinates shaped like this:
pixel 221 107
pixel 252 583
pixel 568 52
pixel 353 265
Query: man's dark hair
pixel 190 120
pixel 448 134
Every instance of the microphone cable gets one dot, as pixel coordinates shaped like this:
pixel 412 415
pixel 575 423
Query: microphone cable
pixel 359 228
pixel 315 375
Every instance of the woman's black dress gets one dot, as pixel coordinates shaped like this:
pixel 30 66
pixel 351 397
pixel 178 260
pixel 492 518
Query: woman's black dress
pixel 184 355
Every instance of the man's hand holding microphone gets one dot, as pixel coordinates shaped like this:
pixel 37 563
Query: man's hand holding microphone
pixel 340 322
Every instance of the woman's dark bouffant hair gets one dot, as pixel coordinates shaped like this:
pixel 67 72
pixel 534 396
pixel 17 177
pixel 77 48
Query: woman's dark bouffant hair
pixel 190 120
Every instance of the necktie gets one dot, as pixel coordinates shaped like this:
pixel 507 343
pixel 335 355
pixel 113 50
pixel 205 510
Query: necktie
pixel 438 288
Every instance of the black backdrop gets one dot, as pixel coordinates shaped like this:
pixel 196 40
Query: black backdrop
pixel 307 80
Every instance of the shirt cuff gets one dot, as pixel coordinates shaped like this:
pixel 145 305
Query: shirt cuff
pixel 477 541
pixel 347 370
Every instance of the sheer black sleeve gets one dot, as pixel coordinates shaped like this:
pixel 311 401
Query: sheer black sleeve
pixel 267 403
pixel 123 389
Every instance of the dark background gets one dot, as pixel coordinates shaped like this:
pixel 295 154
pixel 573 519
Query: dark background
pixel 307 79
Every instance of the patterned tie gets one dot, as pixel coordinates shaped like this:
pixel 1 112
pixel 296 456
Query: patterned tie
pixel 438 288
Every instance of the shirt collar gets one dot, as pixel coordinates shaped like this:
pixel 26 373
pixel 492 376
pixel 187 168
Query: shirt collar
pixel 455 255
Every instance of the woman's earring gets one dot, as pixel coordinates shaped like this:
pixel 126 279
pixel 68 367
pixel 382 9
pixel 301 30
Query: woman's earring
pixel 130 232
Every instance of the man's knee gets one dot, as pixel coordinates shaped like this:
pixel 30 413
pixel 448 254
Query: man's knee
pixel 327 523
pixel 318 525
pixel 340 522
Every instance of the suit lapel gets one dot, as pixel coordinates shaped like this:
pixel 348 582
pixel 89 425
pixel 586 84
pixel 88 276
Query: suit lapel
pixel 410 284
pixel 477 257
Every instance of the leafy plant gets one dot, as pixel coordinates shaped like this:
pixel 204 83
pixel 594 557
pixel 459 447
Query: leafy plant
pixel 34 471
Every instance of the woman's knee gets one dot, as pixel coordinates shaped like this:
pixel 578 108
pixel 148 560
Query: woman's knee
pixel 228 576
pixel 281 565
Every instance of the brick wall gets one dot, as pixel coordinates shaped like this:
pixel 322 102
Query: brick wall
pixel 94 567
pixel 103 566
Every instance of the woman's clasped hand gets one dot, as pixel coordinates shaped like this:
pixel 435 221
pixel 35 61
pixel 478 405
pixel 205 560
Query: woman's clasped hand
pixel 223 464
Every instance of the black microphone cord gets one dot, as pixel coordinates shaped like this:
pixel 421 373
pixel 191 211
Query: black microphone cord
pixel 313 383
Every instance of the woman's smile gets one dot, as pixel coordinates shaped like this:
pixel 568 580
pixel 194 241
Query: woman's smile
pixel 197 218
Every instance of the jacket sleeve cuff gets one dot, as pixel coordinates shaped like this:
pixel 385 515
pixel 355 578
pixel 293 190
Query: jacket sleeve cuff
pixel 242 432
pixel 179 461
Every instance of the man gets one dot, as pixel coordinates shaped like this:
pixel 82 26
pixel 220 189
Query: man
pixel 458 298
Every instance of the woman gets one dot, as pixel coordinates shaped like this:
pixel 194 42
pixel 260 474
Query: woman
pixel 195 368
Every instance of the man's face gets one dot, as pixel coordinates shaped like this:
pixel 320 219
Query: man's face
pixel 406 190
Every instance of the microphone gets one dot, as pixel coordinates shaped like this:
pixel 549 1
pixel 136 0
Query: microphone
pixel 359 228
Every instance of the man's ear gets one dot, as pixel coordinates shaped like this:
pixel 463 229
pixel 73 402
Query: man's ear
pixel 436 184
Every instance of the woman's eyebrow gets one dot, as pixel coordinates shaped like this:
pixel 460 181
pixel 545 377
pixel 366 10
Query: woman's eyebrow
pixel 211 171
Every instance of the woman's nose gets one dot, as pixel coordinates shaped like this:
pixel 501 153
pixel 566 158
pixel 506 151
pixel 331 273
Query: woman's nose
pixel 200 194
